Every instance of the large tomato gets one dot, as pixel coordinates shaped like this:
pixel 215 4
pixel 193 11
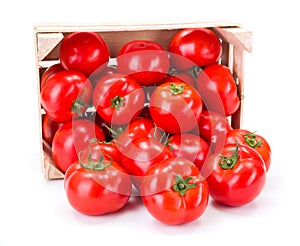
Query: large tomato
pixel 253 140
pixel 66 95
pixel 218 89
pixel 190 147
pixel 84 51
pixel 49 72
pixel 144 60
pixel 97 185
pixel 71 138
pixel 200 46
pixel 236 177
pixel 175 107
pixel 118 98
pixel 141 154
pixel 174 192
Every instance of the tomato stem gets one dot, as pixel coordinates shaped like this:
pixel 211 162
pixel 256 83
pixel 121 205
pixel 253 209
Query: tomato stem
pixel 78 104
pixel 251 140
pixel 92 165
pixel 117 102
pixel 182 185
pixel 229 162
pixel 176 89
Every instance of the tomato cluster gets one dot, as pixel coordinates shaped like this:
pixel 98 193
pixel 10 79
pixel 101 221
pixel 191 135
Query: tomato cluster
pixel 154 119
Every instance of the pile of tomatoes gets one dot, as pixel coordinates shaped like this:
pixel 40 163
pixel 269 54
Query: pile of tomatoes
pixel 152 119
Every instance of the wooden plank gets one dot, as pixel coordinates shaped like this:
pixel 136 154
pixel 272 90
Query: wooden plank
pixel 238 73
pixel 46 42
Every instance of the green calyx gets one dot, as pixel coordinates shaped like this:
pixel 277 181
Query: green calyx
pixel 176 89
pixel 251 140
pixel 229 162
pixel 96 166
pixel 117 102
pixel 182 185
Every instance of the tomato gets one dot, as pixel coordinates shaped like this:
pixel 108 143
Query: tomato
pixel 71 138
pixel 95 185
pixel 66 95
pixel 175 107
pixel 213 127
pixel 237 177
pixel 85 52
pixel 49 128
pixel 49 72
pixel 218 89
pixel 253 140
pixel 138 128
pixel 98 75
pixel 144 60
pixel 190 147
pixel 141 154
pixel 200 46
pixel 118 99
pixel 174 192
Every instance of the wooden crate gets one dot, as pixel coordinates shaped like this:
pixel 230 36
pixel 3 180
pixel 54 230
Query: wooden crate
pixel 235 41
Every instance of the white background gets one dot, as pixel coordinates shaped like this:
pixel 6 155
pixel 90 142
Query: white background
pixel 34 211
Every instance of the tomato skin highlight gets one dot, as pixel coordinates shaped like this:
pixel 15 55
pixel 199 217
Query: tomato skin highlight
pixel 166 204
pixel 71 138
pixel 175 113
pixel 85 52
pixel 240 184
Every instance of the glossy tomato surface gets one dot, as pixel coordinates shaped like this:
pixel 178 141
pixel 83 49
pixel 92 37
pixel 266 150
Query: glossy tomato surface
pixel 174 192
pixel 85 52
pixel 144 60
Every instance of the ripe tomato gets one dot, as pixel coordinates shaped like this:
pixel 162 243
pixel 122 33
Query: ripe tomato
pixel 200 46
pixel 141 154
pixel 175 107
pixel 213 128
pixel 49 72
pixel 49 128
pixel 181 77
pixel 144 60
pixel 72 138
pixel 237 177
pixel 85 52
pixel 218 89
pixel 138 128
pixel 174 192
pixel 118 99
pixel 66 95
pixel 190 147
pixel 252 140
pixel 95 185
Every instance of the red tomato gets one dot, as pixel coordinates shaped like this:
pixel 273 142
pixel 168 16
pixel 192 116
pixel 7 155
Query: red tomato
pixel 118 99
pixel 174 192
pixel 66 95
pixel 200 46
pixel 96 186
pixel 252 140
pixel 141 154
pixel 98 75
pixel 49 128
pixel 138 128
pixel 218 89
pixel 190 147
pixel 175 107
pixel 49 72
pixel 85 52
pixel 144 60
pixel 237 177
pixel 72 138
pixel 213 127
